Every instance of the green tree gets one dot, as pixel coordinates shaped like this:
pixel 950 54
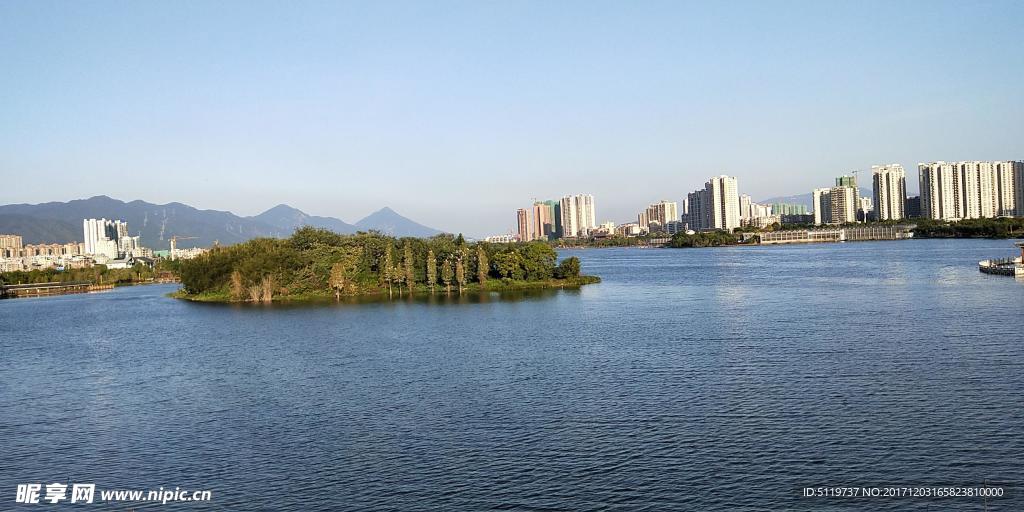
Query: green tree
pixel 568 268
pixel 387 269
pixel 337 280
pixel 237 288
pixel 538 261
pixel 460 270
pixel 509 265
pixel 410 275
pixel 398 274
pixel 446 275
pixel 431 269
pixel 482 265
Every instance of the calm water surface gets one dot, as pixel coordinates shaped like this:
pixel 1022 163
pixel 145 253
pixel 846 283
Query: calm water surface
pixel 720 379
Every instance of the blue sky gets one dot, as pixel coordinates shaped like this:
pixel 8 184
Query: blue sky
pixel 455 114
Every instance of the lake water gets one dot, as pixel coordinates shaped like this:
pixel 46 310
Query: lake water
pixel 697 379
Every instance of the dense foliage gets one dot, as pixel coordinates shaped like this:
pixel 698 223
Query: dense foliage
pixel 315 262
pixel 703 239
pixel 970 228
pixel 97 274
pixel 610 241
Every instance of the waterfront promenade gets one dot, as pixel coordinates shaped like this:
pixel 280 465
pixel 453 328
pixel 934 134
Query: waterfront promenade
pixel 52 288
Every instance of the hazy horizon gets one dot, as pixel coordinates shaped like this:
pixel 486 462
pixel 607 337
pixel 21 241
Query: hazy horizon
pixel 455 114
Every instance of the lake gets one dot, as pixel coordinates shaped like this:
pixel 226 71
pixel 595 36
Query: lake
pixel 694 379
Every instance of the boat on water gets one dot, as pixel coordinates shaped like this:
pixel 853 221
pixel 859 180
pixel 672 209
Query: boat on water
pixel 1005 266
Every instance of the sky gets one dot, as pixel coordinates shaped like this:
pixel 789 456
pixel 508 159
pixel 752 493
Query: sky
pixel 456 113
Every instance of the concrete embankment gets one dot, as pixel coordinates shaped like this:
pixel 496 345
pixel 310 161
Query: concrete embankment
pixel 54 288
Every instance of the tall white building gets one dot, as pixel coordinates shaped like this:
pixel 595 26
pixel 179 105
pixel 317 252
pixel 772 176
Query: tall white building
pixel 754 214
pixel 836 205
pixel 865 209
pixel 970 190
pixel 103 237
pixel 578 215
pixel 746 202
pixel 725 205
pixel 822 206
pixel 890 191
pixel 715 207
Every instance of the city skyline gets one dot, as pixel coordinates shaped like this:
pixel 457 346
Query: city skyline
pixel 340 108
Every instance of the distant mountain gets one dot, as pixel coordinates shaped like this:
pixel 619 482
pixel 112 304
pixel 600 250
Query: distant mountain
pixel 288 219
pixel 805 199
pixel 157 223
pixel 389 221
pixel 35 230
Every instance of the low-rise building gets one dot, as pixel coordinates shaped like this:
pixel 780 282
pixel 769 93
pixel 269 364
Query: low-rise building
pixel 501 239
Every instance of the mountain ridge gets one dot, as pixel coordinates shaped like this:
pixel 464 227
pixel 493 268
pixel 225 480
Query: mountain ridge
pixel 806 199
pixel 61 222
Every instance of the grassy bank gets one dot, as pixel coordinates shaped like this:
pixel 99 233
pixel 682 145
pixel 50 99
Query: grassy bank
pixel 497 286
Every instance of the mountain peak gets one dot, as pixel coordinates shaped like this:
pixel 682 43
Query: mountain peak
pixel 393 223
pixel 385 211
pixel 282 209
pixel 59 222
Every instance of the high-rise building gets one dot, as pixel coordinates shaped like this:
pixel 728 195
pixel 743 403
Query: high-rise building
pixel 523 224
pixel 938 200
pixel 847 180
pixel 579 217
pixel 788 209
pixel 970 190
pixel 890 191
pixel 836 205
pixel 844 200
pixel 715 207
pixel 659 214
pixel 696 216
pixel 102 236
pixel 1018 184
pixel 10 246
pixel 745 205
pixel 865 209
pixel 822 206
pixel 556 209
pixel 1008 191
pixel 725 206
pixel 913 207
pixel 542 225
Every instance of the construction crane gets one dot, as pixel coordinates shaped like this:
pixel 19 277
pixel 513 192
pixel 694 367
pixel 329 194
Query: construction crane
pixel 174 244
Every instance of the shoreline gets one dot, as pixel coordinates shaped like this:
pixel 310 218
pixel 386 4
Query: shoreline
pixel 811 242
pixel 382 294
pixel 53 289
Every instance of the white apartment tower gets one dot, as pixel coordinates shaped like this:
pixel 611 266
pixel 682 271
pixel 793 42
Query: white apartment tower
pixel 746 204
pixel 836 205
pixel 970 190
pixel 822 206
pixel 890 191
pixel 578 215
pixel 715 207
pixel 102 236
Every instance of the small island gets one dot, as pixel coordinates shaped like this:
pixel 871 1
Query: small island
pixel 316 264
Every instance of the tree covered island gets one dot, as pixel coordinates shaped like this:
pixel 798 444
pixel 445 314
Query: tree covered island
pixel 319 264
